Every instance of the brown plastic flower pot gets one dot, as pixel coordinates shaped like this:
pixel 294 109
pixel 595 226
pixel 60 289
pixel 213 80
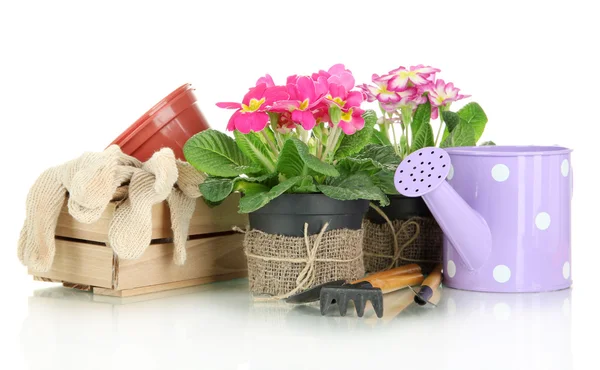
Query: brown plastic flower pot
pixel 170 123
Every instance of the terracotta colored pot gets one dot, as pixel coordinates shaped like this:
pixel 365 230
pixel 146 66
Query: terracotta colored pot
pixel 170 123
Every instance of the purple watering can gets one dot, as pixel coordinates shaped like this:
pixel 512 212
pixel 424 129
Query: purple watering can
pixel 505 212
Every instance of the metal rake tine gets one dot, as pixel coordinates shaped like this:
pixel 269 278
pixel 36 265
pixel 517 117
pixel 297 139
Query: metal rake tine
pixel 325 303
pixel 377 302
pixel 342 302
pixel 360 303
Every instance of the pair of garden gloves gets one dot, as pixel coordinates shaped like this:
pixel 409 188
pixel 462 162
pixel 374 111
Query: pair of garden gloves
pixel 91 182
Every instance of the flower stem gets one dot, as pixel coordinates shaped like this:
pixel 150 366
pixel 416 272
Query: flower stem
pixel 441 125
pixel 394 139
pixel 334 135
pixel 270 143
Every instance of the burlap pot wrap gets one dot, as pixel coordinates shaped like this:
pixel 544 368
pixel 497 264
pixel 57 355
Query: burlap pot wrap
pixel 419 240
pixel 280 266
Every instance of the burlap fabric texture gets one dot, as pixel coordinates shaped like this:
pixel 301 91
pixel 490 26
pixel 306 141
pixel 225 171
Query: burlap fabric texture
pixel 90 183
pixel 280 266
pixel 419 240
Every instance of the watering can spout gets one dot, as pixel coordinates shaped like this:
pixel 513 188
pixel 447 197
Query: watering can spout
pixel 423 173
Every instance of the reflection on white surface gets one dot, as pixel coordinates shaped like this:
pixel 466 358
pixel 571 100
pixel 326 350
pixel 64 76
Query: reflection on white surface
pixel 219 326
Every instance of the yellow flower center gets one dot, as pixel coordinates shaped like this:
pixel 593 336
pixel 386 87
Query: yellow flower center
pixel 304 105
pixel 253 106
pixel 347 116
pixel 336 100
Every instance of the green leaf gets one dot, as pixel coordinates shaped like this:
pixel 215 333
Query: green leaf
pixel 252 146
pixel 296 160
pixel 451 119
pixel 462 135
pixel 250 188
pixel 487 143
pixel 216 189
pixel 474 115
pixel 423 138
pixel 379 138
pixel 352 187
pixel 422 117
pixel 385 181
pixel 307 185
pixel 335 114
pixel 251 203
pixel 351 144
pixel 372 158
pixel 217 154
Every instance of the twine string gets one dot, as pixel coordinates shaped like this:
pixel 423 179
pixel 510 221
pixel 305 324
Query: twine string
pixel 307 276
pixel 399 249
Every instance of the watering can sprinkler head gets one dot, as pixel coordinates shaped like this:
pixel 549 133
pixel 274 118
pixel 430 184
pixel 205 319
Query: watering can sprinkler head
pixel 423 173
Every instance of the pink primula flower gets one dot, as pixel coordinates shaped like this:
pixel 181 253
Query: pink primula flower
pixel 343 98
pixel 251 114
pixel 337 74
pixel 304 95
pixel 442 93
pixel 352 120
pixel 419 75
pixel 380 91
pixel 267 80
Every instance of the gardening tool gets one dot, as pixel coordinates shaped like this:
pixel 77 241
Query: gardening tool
pixel 313 294
pixel 372 288
pixel 505 212
pixel 429 286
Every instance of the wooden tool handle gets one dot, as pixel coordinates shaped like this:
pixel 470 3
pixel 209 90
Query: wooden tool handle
pixel 393 283
pixel 406 269
pixel 429 286
pixel 434 279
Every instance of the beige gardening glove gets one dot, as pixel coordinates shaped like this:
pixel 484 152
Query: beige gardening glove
pixel 182 204
pixel 91 180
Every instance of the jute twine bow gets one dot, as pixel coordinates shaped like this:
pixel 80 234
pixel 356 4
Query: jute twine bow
pixel 399 249
pixel 306 277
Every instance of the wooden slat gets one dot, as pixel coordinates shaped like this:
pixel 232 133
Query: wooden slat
pixel 205 220
pixel 80 263
pixel 206 257
pixel 168 286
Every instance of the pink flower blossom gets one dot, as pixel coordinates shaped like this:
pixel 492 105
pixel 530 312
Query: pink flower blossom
pixel 267 80
pixel 304 95
pixel 337 74
pixel 442 93
pixel 285 124
pixel 352 120
pixel 399 78
pixel 342 98
pixel 251 114
pixel 380 91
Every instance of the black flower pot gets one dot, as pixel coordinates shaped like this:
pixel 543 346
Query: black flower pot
pixel 286 214
pixel 400 208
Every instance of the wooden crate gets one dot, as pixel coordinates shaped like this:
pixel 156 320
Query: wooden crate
pixel 84 261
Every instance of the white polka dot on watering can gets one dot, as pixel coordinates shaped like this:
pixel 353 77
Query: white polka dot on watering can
pixel 564 168
pixel 542 220
pixel 451 268
pixel 450 173
pixel 500 172
pixel 501 273
pixel 567 270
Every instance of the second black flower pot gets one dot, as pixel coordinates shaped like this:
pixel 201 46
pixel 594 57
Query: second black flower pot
pixel 418 236
pixel 400 208
pixel 286 214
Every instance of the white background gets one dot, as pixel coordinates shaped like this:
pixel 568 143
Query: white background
pixel 73 75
